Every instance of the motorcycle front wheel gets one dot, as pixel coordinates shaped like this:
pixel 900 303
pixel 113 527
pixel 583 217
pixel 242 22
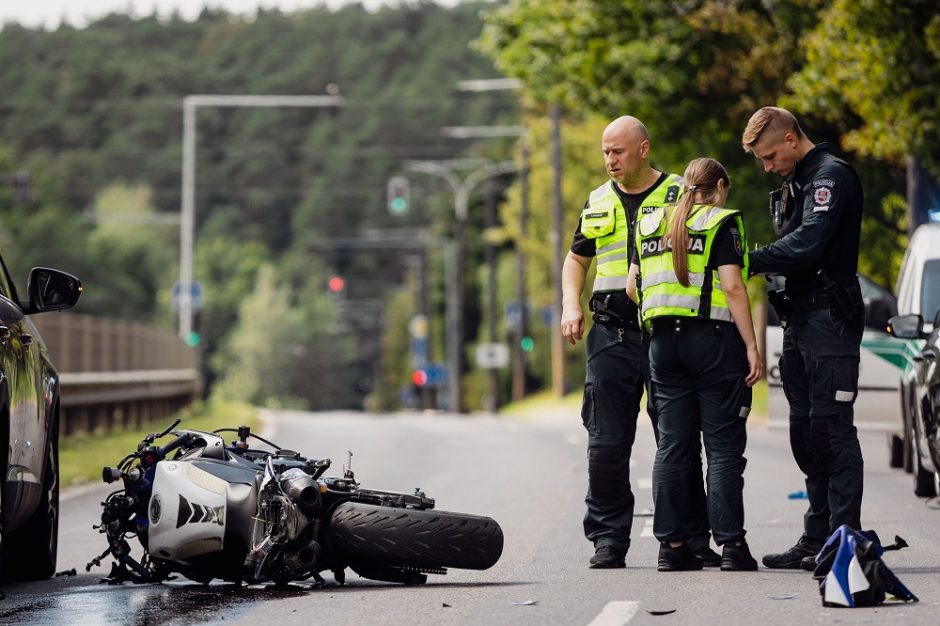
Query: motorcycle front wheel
pixel 416 538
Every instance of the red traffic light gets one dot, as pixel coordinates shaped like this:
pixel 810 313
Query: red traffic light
pixel 419 377
pixel 336 284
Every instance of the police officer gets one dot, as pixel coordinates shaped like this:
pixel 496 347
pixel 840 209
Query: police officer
pixel 617 361
pixel 689 272
pixel 818 216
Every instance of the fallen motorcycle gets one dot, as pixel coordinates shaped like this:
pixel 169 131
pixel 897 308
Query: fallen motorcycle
pixel 209 510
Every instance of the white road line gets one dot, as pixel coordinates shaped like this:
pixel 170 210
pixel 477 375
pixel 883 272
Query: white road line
pixel 644 483
pixel 616 613
pixel 647 529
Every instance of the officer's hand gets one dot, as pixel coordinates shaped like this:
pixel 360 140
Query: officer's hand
pixel 572 324
pixel 756 363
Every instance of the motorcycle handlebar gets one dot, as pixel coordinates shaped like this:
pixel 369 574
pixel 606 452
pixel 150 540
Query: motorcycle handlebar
pixel 173 445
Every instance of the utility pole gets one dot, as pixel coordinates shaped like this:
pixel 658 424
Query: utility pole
pixel 455 282
pixel 558 347
pixel 518 367
pixel 188 186
pixel 489 250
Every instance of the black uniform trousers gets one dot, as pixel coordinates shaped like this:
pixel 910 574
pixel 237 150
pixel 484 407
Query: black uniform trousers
pixel 617 369
pixel 819 368
pixel 698 368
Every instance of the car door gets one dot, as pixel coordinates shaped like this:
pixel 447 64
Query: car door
pixel 19 368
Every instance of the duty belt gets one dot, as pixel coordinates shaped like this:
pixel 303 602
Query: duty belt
pixel 809 302
pixel 613 321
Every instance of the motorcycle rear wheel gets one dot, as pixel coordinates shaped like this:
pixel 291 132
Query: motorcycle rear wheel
pixel 417 538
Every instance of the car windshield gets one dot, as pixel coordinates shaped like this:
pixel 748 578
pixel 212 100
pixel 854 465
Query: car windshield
pixel 930 290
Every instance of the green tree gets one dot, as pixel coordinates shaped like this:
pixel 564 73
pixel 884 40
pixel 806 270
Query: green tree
pixel 873 72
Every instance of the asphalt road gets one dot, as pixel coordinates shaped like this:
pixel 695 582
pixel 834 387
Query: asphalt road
pixel 530 476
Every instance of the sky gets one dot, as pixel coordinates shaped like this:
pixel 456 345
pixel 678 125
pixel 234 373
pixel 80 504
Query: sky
pixel 50 13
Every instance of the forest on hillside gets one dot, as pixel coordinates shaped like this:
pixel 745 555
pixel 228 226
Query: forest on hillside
pixel 94 115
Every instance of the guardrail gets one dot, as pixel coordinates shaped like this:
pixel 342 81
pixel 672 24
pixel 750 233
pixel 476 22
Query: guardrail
pixel 116 373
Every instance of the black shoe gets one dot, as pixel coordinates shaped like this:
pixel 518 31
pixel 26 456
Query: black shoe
pixel 677 559
pixel 808 563
pixel 792 558
pixel 708 556
pixel 737 558
pixel 607 557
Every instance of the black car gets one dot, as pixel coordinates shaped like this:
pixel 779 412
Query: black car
pixel 29 425
pixel 920 386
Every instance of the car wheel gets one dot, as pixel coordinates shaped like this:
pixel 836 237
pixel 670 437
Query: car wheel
pixel 32 550
pixel 924 486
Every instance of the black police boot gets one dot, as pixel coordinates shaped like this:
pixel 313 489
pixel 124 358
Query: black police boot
pixel 737 558
pixel 792 558
pixel 808 563
pixel 677 559
pixel 607 557
pixel 708 556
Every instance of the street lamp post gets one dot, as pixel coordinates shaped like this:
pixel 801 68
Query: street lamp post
pixel 462 189
pixel 188 191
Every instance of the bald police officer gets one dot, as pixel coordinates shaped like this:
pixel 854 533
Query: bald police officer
pixel 617 349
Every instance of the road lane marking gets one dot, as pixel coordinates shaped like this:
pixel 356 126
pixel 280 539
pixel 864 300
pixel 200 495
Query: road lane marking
pixel 644 483
pixel 616 613
pixel 647 529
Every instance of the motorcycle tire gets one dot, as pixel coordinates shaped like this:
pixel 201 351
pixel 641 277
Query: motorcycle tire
pixel 415 538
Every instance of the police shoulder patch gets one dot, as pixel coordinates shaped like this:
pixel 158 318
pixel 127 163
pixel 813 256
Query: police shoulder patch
pixel 822 195
pixel 672 194
pixel 824 182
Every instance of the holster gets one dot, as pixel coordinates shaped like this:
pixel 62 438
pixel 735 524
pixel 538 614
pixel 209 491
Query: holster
pixel 780 302
pixel 844 301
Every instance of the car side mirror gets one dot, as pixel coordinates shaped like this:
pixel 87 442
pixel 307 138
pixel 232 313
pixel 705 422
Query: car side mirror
pixel 52 290
pixel 909 326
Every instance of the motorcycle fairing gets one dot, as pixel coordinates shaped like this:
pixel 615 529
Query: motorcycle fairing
pixel 193 512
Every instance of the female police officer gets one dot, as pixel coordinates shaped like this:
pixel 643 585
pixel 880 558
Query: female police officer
pixel 692 262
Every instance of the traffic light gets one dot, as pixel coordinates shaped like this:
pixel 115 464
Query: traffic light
pixel 399 195
pixel 527 344
pixel 194 338
pixel 336 284
pixel 419 377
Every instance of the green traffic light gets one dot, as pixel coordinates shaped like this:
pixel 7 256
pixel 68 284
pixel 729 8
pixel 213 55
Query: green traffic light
pixel 527 343
pixel 193 339
pixel 398 205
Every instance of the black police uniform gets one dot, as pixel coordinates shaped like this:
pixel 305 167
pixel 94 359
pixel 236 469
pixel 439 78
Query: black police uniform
pixel 698 368
pixel 824 321
pixel 617 369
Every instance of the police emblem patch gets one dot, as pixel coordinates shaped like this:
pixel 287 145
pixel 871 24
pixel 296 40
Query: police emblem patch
pixel 736 240
pixel 822 195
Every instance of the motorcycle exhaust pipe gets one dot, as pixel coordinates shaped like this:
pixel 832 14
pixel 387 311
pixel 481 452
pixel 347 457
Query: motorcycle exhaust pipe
pixel 302 489
pixel 304 559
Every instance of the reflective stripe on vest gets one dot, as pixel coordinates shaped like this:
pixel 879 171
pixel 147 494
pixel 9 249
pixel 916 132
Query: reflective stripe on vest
pixel 661 294
pixel 611 235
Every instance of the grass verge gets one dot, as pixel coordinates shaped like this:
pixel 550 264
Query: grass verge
pixel 81 456
pixel 544 402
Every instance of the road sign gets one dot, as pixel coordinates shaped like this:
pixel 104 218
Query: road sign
pixel 491 356
pixel 195 296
